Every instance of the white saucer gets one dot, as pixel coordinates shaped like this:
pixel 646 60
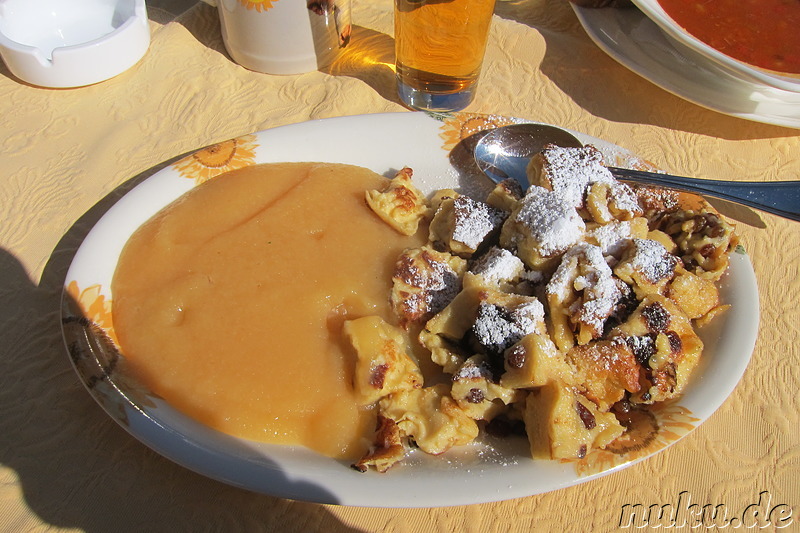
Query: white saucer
pixel 636 42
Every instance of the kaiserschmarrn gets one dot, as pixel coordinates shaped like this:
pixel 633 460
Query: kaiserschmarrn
pixel 548 309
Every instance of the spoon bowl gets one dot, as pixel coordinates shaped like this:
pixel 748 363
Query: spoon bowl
pixel 505 152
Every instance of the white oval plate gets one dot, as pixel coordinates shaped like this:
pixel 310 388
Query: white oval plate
pixel 481 472
pixel 636 42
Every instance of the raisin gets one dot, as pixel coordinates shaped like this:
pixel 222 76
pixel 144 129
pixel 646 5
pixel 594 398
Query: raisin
pixel 675 343
pixel 700 223
pixel 642 347
pixel 656 317
pixel 586 416
pixel 707 250
pixel 623 309
pixel 711 219
pixel 475 396
pixel 716 231
pixel 516 357
pixel 439 246
pixel 582 451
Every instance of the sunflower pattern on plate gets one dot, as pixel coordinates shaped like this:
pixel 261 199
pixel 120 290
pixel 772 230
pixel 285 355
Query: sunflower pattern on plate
pixel 218 158
pixel 458 126
pixel 94 306
pixel 258 5
pixel 646 432
pixel 88 329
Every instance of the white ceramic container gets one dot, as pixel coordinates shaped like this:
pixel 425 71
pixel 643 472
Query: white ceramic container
pixel 71 43
pixel 284 37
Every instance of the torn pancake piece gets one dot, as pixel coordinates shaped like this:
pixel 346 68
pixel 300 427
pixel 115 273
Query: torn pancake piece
pixel 400 204
pixel 542 226
pixel 424 282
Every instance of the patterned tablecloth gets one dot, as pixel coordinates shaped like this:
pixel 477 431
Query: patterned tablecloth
pixel 65 465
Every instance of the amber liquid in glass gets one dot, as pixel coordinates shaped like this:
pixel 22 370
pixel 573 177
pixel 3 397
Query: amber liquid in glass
pixel 440 46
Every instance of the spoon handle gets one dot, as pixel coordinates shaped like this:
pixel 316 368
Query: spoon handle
pixel 779 198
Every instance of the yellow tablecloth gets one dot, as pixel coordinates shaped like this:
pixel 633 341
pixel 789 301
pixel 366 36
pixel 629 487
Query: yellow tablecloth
pixel 65 465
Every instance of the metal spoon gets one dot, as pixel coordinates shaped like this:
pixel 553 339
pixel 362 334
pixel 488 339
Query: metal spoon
pixel 505 152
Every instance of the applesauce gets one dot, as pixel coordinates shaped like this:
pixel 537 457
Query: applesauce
pixel 229 302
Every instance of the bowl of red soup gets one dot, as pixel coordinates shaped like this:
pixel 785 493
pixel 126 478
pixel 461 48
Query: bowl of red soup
pixel 758 39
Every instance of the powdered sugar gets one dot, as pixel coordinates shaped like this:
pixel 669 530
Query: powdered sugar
pixel 497 327
pixel 584 269
pixel 498 265
pixel 533 276
pixel 471 370
pixel 652 260
pixel 613 237
pixel 570 171
pixel 474 220
pixel 624 199
pixel 549 220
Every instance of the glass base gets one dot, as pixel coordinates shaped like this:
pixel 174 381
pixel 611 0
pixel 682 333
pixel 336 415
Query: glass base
pixel 426 101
